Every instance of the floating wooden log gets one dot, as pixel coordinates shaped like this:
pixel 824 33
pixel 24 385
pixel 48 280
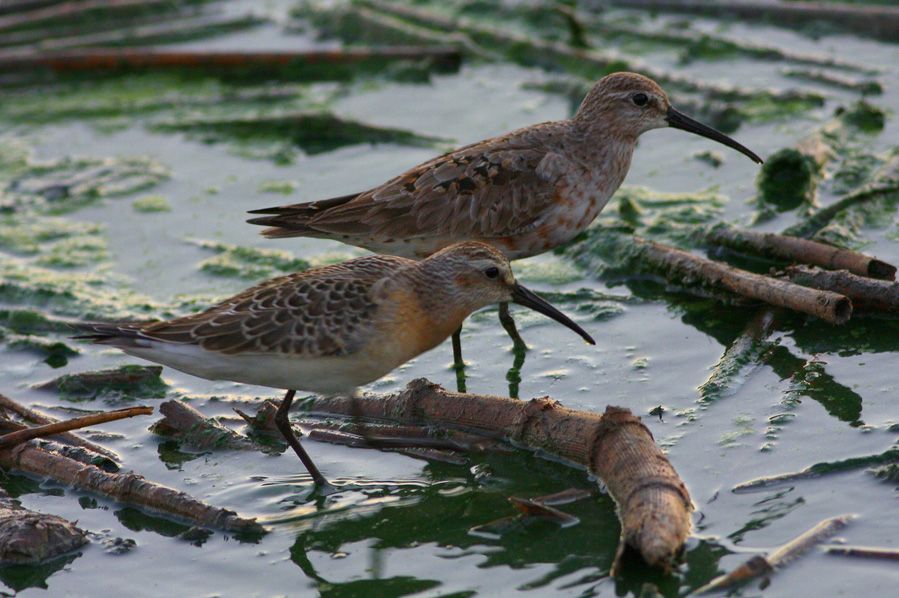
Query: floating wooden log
pixel 795 249
pixel 682 267
pixel 653 503
pixel 865 552
pixel 867 293
pixel 105 59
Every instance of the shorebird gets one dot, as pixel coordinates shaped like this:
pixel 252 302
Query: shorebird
pixel 525 192
pixel 329 330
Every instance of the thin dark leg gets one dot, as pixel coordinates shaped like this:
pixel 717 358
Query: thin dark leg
pixel 508 323
pixel 283 424
pixel 458 362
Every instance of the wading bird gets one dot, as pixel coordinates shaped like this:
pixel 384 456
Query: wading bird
pixel 524 192
pixel 329 330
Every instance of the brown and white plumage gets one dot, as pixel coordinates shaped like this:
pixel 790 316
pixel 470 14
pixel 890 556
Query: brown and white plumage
pixel 329 329
pixel 524 192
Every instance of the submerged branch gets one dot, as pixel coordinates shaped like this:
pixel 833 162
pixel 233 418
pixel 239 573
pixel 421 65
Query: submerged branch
pixel 654 505
pixel 758 566
pixel 865 552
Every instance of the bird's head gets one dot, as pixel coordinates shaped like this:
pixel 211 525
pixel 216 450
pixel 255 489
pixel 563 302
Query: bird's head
pixel 629 104
pixel 478 275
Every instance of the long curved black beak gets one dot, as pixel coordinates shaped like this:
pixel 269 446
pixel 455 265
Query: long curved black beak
pixel 679 120
pixel 523 296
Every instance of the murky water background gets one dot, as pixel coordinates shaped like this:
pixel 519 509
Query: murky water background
pixel 407 531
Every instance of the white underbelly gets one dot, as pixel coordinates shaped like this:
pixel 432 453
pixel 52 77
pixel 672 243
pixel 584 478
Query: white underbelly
pixel 323 375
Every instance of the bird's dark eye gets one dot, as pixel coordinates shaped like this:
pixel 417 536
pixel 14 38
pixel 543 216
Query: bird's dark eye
pixel 491 272
pixel 640 99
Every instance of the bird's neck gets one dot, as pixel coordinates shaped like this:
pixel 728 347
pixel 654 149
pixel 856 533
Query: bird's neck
pixel 439 297
pixel 605 151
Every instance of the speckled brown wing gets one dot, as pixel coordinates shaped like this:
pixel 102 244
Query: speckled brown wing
pixel 490 189
pixel 323 312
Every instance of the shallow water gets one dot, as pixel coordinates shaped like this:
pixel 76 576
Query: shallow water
pixel 404 526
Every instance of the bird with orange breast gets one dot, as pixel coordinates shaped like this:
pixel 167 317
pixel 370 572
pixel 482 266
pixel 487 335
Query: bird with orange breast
pixel 525 192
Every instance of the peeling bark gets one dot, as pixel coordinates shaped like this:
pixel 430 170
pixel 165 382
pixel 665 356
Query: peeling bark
pixel 30 538
pixel 880 295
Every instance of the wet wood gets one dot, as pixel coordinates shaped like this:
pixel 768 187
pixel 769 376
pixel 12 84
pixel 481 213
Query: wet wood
pixel 758 566
pixel 653 503
pixel 130 377
pixel 105 59
pixel 128 488
pixel 878 21
pixel 681 267
pixel 865 293
pixel 20 436
pixel 31 538
pixel 865 552
pixel 35 417
pixel 796 249
pixel 191 426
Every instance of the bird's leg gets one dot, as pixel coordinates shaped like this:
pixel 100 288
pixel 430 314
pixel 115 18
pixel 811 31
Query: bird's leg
pixel 458 363
pixel 508 323
pixel 283 423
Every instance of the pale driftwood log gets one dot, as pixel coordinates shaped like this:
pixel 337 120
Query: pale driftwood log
pixel 653 503
pixel 118 58
pixel 880 295
pixel 879 21
pixel 30 538
pixel 123 487
pixel 20 436
pixel 765 565
pixel 795 249
pixel 35 417
pixel 681 267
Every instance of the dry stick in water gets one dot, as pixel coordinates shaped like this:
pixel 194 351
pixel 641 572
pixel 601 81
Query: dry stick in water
pixel 880 295
pixel 680 266
pixel 758 566
pixel 123 487
pixel 115 58
pixel 40 419
pixel 795 249
pixel 183 420
pixel 653 504
pixel 20 436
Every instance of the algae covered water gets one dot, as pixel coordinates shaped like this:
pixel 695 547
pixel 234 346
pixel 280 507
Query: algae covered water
pixel 125 196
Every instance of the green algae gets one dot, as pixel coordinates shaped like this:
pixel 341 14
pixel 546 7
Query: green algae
pixel 54 353
pixel 313 132
pixel 787 179
pixel 250 263
pixel 280 187
pixel 29 235
pixel 124 382
pixel 30 322
pixel 151 203
pixel 74 252
pixel 69 183
pixel 712 158
pixel 864 116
